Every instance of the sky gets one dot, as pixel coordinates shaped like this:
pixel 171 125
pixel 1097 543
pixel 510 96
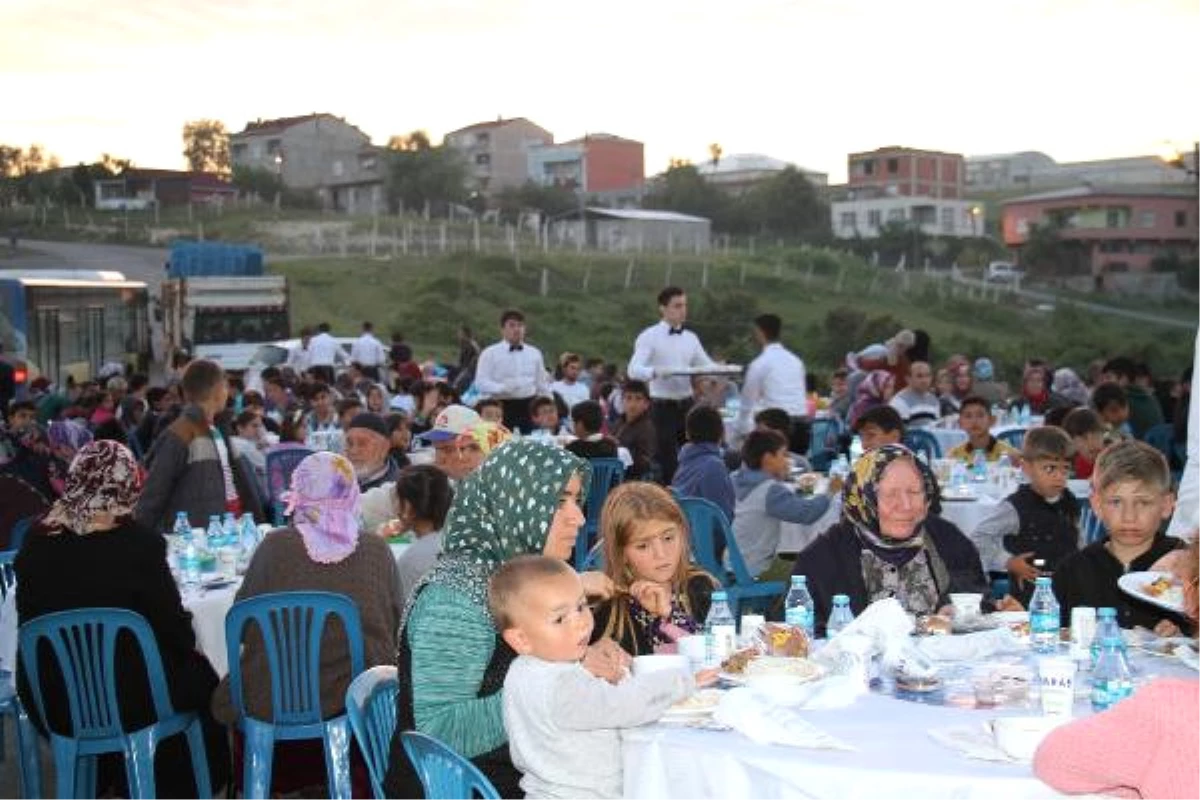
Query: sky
pixel 806 81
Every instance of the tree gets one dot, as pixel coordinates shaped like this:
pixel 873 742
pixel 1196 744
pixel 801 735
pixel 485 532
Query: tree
pixel 549 201
pixel 787 205
pixel 683 189
pixel 206 146
pixel 416 140
pixel 421 176
pixel 265 183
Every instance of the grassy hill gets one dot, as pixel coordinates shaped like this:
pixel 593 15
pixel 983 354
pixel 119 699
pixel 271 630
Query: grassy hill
pixel 831 303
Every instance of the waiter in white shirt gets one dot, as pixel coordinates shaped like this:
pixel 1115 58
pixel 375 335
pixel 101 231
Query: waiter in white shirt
pixel 298 356
pixel 513 372
pixel 368 352
pixel 775 379
pixel 659 353
pixel 323 352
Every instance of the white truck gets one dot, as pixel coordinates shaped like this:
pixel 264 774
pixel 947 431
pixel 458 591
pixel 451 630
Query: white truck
pixel 222 317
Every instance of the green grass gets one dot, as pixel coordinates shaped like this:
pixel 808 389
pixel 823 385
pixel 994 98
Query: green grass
pixel 830 303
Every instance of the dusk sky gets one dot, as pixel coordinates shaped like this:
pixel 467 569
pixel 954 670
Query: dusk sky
pixel 806 81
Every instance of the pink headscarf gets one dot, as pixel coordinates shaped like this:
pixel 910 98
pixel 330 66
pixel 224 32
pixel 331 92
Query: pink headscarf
pixel 323 504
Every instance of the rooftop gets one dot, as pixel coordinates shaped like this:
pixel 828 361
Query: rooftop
pixel 644 214
pixel 1088 190
pixel 260 126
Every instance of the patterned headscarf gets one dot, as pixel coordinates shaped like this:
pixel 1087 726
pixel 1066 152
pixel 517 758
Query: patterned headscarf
pixel 68 434
pixel 860 499
pixel 501 510
pixel 323 502
pixel 487 436
pixel 103 479
pixel 1068 384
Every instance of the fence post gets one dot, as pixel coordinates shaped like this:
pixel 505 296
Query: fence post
pixel 442 235
pixel 704 275
pixel 629 274
pixel 374 235
pixel 841 281
pixel 587 278
pixel 475 231
pixel 742 274
pixel 544 287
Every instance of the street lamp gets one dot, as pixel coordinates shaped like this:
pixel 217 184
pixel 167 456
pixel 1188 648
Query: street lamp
pixel 976 212
pixel 278 179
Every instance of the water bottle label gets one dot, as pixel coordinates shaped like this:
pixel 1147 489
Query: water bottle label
pixel 800 617
pixel 724 642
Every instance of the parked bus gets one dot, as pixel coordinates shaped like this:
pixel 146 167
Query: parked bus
pixel 60 323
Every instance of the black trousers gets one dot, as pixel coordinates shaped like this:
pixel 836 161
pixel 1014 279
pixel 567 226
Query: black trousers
pixel 516 414
pixel 669 417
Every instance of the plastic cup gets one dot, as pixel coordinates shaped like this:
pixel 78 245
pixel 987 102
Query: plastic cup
pixel 751 624
pixel 1083 631
pixel 1056 677
pixel 693 648
pixel 227 558
pixel 966 604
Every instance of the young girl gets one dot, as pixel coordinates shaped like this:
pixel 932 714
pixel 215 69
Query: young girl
pixel 658 595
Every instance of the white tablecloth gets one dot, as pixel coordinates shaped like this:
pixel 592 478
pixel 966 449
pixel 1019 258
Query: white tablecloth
pixel 208 620
pixel 967 514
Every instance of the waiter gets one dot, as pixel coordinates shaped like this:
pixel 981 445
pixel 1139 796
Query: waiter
pixel 512 372
pixel 368 352
pixel 659 353
pixel 776 379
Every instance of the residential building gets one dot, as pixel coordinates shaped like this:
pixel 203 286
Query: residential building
pixel 740 172
pixel 908 172
pixel 1029 170
pixel 601 165
pixel 318 152
pixel 632 230
pixel 497 153
pixel 864 213
pixel 143 188
pixel 1118 228
pixel 1007 170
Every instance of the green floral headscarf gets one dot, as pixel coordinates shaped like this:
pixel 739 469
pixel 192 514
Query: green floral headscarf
pixel 503 510
pixel 860 499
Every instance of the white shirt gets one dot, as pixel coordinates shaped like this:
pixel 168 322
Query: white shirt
pixel 368 351
pixel 324 351
pixel 571 393
pixel 775 379
pixel 298 357
pixel 916 408
pixel 509 374
pixel 657 350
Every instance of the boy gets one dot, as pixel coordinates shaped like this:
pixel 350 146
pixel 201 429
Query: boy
pixel 587 418
pixel 1087 432
pixel 879 426
pixel 1112 405
pixel 975 417
pixel 490 410
pixel 701 471
pixel 323 429
pixel 1039 521
pixel 764 500
pixel 635 430
pixel 563 721
pixel 1131 495
pixel 776 419
pixel 544 415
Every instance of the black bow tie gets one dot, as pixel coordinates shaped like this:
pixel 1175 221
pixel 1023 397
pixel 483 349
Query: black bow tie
pixel 675 332
pixel 516 348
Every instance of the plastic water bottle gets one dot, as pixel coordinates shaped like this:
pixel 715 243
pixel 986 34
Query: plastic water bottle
pixel 1107 627
pixel 979 466
pixel 182 528
pixel 856 449
pixel 840 617
pixel 798 606
pixel 1025 414
pixel 215 532
pixel 229 530
pixel 1111 678
pixel 189 563
pixel 958 476
pixel 249 532
pixel 1044 617
pixel 720 630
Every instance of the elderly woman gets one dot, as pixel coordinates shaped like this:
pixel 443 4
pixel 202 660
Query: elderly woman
pixel 320 551
pixel 886 543
pixel 88 552
pixel 526 498
pixel 1145 746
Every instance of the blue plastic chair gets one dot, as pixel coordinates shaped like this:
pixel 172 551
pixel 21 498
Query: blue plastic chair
pixel 1012 436
pixel 706 524
pixel 16 537
pixel 291 624
pixel 371 706
pixel 84 643
pixel 1162 438
pixel 607 474
pixel 825 442
pixel 1091 527
pixel 281 463
pixel 29 770
pixel 920 441
pixel 444 773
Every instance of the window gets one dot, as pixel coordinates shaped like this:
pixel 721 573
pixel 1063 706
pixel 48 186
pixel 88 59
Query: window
pixel 849 219
pixel 273 146
pixel 1112 218
pixel 1146 219
pixel 875 218
pixel 337 168
pixel 948 220
pixel 1180 219
pixel 483 159
pixel 893 166
pixel 895 215
pixel 867 166
pixel 238 151
pixel 367 163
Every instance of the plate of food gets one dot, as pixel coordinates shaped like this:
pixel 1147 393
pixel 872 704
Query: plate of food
pixel 699 704
pixel 711 369
pixel 959 495
pixel 1161 589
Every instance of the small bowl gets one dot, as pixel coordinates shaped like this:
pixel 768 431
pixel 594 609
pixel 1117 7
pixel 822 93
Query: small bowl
pixel 1019 737
pixel 644 665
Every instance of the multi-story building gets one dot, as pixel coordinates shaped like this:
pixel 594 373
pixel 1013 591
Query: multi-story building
pixel 320 152
pixel 1030 170
pixel 907 172
pixel 497 153
pixel 1120 228
pixel 600 165
pixel 143 188
pixel 740 172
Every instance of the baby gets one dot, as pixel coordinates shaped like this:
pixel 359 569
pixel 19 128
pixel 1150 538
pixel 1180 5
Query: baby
pixel 563 722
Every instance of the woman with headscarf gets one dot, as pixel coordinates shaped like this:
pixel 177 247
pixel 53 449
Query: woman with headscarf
pixel 527 497
pixel 320 551
pixel 66 438
pixel 88 552
pixel 960 385
pixel 1035 391
pixel 887 544
pixel 876 389
pixel 1068 386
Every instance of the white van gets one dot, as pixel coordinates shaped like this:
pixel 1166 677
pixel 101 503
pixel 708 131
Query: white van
pixel 1004 272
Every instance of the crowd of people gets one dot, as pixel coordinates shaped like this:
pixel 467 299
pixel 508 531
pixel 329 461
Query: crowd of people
pixel 503 651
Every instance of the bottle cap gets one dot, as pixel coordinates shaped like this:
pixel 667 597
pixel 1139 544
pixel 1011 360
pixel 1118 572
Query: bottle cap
pixel 799 579
pixel 1106 611
pixel 841 600
pixel 719 595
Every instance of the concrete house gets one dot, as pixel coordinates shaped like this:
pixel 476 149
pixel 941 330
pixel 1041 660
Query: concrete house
pixel 497 153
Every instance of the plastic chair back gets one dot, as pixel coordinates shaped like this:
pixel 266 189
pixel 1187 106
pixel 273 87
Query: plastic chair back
pixel 607 474
pixel 1091 527
pixel 371 706
pixel 84 643
pixel 281 463
pixel 1012 436
pixel 445 774
pixel 920 441
pixel 707 523
pixel 8 575
pixel 20 531
pixel 825 442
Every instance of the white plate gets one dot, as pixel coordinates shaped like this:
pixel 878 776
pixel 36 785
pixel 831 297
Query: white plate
pixel 702 703
pixel 1132 584
pixel 959 497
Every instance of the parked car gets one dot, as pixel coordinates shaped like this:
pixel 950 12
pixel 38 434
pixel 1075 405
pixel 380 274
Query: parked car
pixel 1004 272
pixel 275 354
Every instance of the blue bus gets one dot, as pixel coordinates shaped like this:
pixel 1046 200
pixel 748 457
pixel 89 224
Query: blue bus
pixel 60 323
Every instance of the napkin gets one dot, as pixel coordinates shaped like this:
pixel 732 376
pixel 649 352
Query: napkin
pixel 973 741
pixel 834 691
pixel 971 646
pixel 764 722
pixel 884 624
